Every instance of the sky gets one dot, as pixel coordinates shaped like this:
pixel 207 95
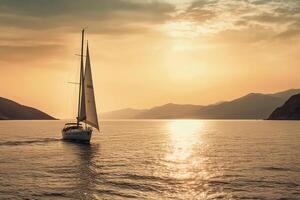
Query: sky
pixel 146 53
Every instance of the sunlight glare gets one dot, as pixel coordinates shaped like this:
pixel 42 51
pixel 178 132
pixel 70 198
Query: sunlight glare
pixel 182 136
pixel 186 29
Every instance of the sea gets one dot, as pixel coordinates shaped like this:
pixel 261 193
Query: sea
pixel 152 159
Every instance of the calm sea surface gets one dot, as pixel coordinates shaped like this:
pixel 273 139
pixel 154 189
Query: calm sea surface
pixel 158 159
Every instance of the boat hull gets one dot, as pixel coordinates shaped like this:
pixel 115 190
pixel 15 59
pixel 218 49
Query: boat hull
pixel 77 135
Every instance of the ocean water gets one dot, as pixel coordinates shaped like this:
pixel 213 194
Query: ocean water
pixel 154 159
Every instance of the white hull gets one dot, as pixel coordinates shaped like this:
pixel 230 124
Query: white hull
pixel 77 135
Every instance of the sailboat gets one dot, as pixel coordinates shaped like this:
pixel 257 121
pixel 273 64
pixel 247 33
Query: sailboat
pixel 87 112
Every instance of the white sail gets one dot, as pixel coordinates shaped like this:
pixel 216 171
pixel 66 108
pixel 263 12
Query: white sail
pixel 89 97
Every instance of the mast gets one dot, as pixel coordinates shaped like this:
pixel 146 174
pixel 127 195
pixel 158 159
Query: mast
pixel 81 78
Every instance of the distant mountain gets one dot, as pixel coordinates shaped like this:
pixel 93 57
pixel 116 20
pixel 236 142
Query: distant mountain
pixel 10 110
pixel 169 111
pixel 251 106
pixel 289 111
pixel 127 113
pixel 286 94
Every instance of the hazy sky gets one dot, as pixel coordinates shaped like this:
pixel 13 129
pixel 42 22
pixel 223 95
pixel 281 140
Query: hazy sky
pixel 146 53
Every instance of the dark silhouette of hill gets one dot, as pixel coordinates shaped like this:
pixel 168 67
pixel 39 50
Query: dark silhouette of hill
pixel 10 110
pixel 289 111
pixel 251 106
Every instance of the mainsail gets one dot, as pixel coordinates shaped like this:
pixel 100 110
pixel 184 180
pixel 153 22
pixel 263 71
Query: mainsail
pixel 88 95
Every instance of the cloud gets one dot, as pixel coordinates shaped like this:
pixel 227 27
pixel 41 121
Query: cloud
pixel 274 17
pixel 34 29
pixel 293 30
pixel 19 45
pixel 33 53
pixel 102 16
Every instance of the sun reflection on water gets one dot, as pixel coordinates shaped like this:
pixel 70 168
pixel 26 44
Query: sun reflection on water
pixel 186 160
pixel 183 136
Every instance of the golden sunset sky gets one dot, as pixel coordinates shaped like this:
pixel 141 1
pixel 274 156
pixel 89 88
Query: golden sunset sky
pixel 146 53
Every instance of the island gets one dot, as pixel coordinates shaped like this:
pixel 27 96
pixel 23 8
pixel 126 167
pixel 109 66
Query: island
pixel 289 111
pixel 10 110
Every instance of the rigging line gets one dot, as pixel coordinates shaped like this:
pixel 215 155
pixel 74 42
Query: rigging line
pixel 73 91
pixel 73 83
pixel 67 99
pixel 74 95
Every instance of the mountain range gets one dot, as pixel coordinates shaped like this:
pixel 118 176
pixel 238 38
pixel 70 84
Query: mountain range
pixel 250 106
pixel 10 110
